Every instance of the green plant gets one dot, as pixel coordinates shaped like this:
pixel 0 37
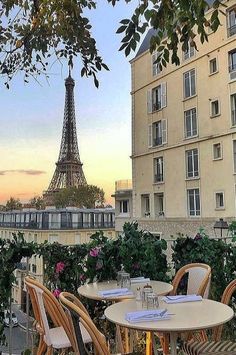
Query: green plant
pixel 11 251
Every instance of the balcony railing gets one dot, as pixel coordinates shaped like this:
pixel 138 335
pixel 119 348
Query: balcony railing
pixel 123 185
pixel 157 141
pixel 158 178
pixel 233 117
pixel 231 30
pixel 58 225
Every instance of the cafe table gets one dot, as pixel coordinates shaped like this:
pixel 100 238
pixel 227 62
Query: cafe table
pixel 184 317
pixel 92 290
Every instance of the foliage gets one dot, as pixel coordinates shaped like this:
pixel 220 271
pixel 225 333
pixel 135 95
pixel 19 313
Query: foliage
pixel 202 249
pixel 38 203
pixel 33 32
pixel 232 230
pixel 63 266
pixel 11 251
pixel 141 253
pixel 176 23
pixel 86 196
pixel 13 204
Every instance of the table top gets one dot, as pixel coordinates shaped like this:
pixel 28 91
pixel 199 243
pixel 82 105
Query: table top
pixel 185 316
pixel 92 290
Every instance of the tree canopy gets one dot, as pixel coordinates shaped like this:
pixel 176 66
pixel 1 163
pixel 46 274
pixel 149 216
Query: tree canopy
pixel 13 204
pixel 35 33
pixel 87 196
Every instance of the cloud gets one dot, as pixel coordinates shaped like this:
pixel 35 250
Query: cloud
pixel 22 171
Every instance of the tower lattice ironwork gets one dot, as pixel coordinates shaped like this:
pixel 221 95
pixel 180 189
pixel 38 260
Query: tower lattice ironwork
pixel 69 171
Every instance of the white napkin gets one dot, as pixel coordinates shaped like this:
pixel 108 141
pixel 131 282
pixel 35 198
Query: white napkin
pixel 182 298
pixel 115 292
pixel 151 315
pixel 137 280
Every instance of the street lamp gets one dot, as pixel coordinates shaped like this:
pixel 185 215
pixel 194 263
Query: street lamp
pixel 221 224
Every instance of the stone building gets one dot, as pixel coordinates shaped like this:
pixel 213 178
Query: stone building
pixel 184 134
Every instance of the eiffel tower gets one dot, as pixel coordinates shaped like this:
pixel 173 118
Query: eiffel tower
pixel 68 172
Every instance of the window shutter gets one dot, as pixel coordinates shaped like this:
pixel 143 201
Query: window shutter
pixel 164 131
pixel 149 101
pixel 150 136
pixel 163 95
pixel 154 66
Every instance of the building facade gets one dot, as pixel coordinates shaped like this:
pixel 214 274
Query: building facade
pixel 184 134
pixel 123 203
pixel 69 226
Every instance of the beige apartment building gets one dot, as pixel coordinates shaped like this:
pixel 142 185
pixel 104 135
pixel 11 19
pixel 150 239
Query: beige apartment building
pixel 69 226
pixel 184 134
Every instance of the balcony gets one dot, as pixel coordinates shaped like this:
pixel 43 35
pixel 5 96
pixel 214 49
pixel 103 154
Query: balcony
pixel 158 178
pixel 123 185
pixel 217 251
pixel 231 30
pixel 157 141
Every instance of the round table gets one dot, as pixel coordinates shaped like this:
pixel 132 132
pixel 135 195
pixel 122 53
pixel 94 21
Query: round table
pixel 92 290
pixel 188 316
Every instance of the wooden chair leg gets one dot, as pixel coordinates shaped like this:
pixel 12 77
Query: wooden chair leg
pixel 49 351
pixel 41 347
pixel 165 343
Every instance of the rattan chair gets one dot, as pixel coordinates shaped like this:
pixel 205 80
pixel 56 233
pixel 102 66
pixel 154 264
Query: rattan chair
pixel 216 346
pixel 199 278
pixel 44 305
pixel 77 315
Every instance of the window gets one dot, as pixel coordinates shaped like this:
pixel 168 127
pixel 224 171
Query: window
pixel 232 21
pixel 189 83
pixel 158 133
pixel 190 122
pixel 219 200
pixel 217 151
pixel 193 202
pixel 189 52
pixel 232 64
pixel 233 109
pixel 155 66
pixel 213 66
pixel 234 153
pixel 158 170
pixel 145 205
pixel 215 108
pixel 124 206
pixel 192 163
pixel 159 204
pixel 156 98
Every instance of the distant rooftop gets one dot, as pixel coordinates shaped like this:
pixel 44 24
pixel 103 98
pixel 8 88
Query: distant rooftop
pixel 146 42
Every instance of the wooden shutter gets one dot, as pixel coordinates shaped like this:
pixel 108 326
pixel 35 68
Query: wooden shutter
pixel 163 95
pixel 150 136
pixel 149 101
pixel 164 131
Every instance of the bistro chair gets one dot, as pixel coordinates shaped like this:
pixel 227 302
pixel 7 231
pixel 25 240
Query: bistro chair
pixel 76 315
pixel 216 346
pixel 45 304
pixel 199 279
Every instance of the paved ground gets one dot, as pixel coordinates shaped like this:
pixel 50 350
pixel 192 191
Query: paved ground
pixel 19 341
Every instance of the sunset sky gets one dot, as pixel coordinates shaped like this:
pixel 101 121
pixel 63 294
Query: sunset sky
pixel 32 117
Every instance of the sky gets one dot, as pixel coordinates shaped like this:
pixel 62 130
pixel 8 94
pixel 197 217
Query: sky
pixel 31 117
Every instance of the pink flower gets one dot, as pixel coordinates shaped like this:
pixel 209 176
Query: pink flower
pixel 60 267
pixel 82 277
pixel 94 252
pixel 56 292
